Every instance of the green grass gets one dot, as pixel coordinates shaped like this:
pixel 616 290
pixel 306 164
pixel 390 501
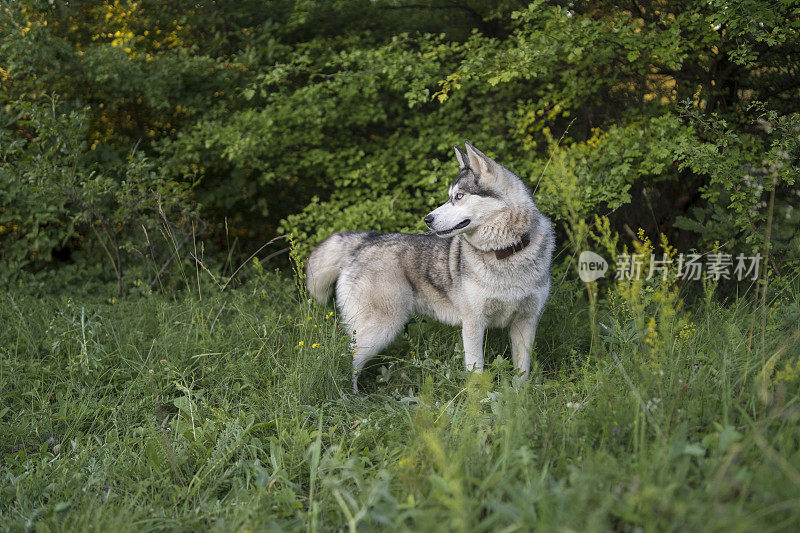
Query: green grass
pixel 181 413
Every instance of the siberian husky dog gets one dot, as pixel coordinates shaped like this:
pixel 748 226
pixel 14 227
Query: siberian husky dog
pixel 484 264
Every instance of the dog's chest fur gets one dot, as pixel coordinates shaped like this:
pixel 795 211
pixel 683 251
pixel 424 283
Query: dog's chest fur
pixel 508 293
pixel 492 290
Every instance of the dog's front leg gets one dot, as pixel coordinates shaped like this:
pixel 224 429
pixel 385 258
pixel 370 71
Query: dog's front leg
pixel 472 333
pixel 522 332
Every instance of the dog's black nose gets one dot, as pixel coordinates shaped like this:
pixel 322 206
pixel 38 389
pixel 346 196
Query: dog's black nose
pixel 429 219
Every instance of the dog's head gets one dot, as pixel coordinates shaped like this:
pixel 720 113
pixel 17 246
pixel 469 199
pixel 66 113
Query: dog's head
pixel 478 194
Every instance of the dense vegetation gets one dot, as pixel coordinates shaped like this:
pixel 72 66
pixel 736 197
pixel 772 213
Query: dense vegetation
pixel 306 117
pixel 158 160
pixel 232 413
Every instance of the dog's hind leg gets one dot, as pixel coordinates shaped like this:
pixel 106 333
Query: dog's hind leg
pixel 375 310
pixel 371 336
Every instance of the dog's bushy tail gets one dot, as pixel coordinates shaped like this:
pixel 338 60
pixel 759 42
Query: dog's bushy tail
pixel 325 263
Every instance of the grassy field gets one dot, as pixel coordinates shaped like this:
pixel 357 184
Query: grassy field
pixel 233 412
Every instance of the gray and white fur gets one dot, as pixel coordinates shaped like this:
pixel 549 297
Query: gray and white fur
pixel 451 273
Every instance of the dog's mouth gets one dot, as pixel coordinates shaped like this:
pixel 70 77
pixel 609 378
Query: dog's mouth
pixel 461 225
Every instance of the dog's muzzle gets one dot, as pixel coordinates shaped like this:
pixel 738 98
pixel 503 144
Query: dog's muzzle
pixel 461 225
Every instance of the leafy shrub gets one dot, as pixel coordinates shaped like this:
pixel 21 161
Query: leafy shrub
pixel 307 117
pixel 61 206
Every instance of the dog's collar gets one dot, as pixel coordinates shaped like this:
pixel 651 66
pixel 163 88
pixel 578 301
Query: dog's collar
pixel 511 250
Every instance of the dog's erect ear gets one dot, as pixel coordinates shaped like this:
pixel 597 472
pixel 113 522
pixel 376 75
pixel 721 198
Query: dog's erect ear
pixel 480 162
pixel 463 162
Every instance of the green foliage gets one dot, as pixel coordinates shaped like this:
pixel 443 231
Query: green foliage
pixel 655 91
pixel 752 165
pixel 345 134
pixel 55 198
pixel 141 142
pixel 34 217
pixel 310 117
pixel 233 412
pixel 583 178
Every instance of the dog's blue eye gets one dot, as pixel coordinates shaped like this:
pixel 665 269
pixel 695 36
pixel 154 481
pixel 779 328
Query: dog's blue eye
pixel 459 196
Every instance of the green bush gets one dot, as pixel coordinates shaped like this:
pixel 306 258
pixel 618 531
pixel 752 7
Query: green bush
pixel 307 118
pixel 234 412
pixel 62 208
